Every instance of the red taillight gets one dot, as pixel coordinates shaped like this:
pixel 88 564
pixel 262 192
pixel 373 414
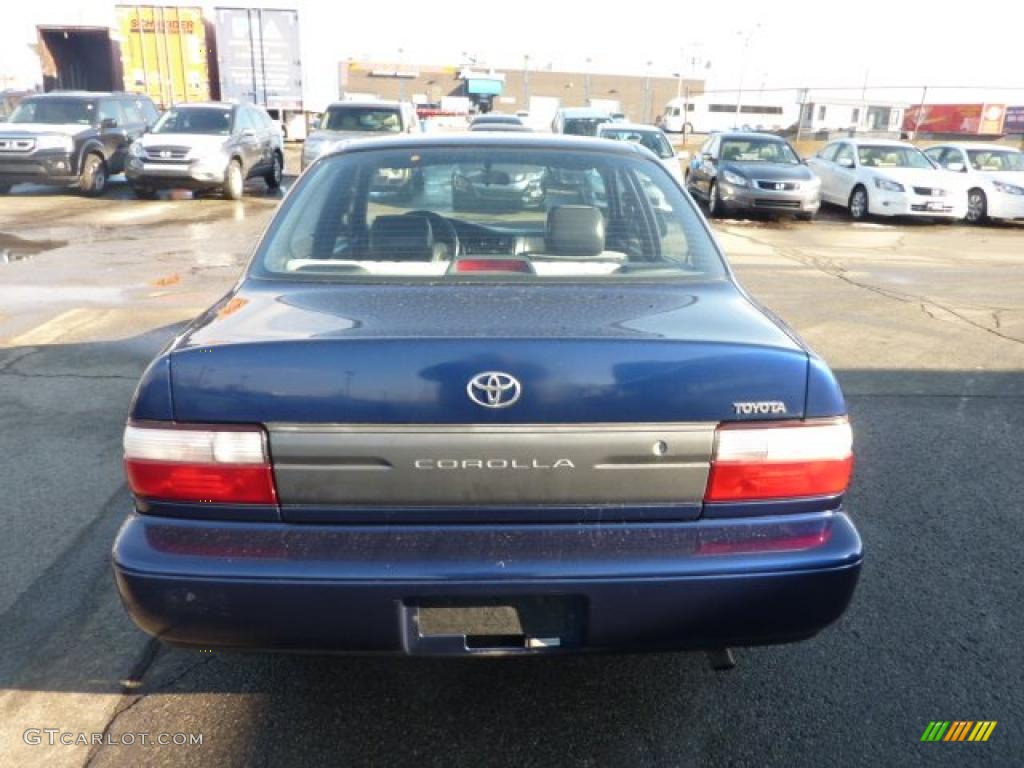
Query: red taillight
pixel 780 461
pixel 199 464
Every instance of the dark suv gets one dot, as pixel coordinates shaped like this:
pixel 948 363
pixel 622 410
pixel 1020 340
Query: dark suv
pixel 71 138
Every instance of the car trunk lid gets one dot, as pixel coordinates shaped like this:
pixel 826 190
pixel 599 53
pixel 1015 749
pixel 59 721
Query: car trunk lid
pixel 369 404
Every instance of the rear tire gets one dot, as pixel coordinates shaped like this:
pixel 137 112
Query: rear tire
pixel 858 204
pixel 234 182
pixel 977 207
pixel 276 172
pixel 93 179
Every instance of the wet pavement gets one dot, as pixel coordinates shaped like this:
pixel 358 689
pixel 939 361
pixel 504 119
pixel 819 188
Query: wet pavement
pixel 924 325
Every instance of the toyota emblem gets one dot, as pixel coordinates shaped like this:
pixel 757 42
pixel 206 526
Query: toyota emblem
pixel 494 389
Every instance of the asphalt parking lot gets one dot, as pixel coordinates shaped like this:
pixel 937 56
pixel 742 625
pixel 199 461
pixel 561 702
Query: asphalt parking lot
pixel 924 325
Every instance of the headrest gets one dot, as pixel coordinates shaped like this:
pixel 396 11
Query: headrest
pixel 575 230
pixel 401 238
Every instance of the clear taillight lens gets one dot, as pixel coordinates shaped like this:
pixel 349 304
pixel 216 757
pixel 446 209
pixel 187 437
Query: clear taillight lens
pixel 755 462
pixel 199 463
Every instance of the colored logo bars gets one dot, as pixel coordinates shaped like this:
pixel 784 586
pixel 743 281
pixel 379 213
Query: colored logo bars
pixel 958 730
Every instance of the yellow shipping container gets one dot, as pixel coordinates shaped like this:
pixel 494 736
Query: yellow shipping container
pixel 164 53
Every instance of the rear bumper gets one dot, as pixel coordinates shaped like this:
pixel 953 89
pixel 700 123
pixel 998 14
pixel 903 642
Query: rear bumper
pixel 357 588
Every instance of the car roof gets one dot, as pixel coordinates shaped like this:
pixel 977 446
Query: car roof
pixel 628 127
pixel 878 143
pixel 366 103
pixel 208 105
pixel 79 95
pixel 495 127
pixel 583 112
pixel 974 145
pixel 749 135
pixel 493 140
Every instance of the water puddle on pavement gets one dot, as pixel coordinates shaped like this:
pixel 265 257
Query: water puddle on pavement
pixel 14 248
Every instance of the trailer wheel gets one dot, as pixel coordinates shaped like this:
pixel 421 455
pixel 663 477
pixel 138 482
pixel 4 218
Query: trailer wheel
pixel 93 180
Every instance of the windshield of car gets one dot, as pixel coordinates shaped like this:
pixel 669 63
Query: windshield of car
pixel 487 213
pixel 55 112
pixel 758 151
pixel 370 119
pixel 883 156
pixel 996 159
pixel 584 126
pixel 653 140
pixel 215 121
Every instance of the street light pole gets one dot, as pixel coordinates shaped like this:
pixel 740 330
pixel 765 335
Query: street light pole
pixel 586 84
pixel 920 112
pixel 682 68
pixel 401 80
pixel 648 98
pixel 526 81
pixel 743 68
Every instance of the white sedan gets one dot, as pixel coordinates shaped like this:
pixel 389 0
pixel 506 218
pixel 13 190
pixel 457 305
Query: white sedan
pixel 649 136
pixel 994 176
pixel 872 177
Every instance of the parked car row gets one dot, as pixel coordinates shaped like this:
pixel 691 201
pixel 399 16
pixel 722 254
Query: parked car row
pixel 868 177
pixel 79 139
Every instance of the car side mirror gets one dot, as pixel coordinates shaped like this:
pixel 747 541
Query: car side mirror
pixel 955 167
pixel 845 162
pixel 707 157
pixel 108 122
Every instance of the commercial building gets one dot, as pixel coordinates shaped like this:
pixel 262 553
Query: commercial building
pixel 640 97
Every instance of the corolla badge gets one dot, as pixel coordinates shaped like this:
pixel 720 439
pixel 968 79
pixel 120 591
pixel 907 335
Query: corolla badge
pixel 494 389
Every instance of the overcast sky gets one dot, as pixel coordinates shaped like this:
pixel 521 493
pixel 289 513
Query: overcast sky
pixel 794 44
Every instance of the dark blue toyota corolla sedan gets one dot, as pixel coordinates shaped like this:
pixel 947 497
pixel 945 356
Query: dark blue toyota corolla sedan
pixel 544 419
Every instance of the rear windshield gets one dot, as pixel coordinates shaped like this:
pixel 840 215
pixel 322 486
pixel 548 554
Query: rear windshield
pixel 214 121
pixel 467 213
pixel 55 112
pixel 370 119
pixel 497 120
pixel 653 140
pixel 584 126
